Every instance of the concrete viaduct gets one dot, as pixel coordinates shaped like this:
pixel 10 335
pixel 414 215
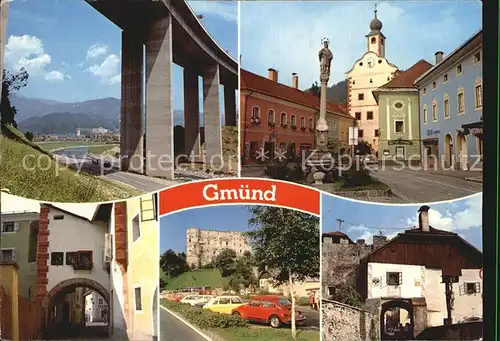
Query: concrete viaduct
pixel 156 34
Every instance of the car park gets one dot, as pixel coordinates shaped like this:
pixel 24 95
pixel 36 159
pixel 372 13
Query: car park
pixel 269 309
pixel 224 304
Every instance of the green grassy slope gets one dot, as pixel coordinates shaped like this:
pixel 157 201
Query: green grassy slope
pixel 204 277
pixel 29 171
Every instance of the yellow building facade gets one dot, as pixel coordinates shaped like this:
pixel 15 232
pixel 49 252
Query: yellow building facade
pixel 144 268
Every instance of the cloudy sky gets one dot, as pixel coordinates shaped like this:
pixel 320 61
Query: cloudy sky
pixel 287 35
pixel 363 220
pixel 72 52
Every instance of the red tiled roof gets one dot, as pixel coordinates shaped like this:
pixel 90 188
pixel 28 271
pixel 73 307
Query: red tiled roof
pixel 406 78
pixel 254 82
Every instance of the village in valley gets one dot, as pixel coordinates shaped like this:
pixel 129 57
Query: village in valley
pixel 389 129
pixel 222 279
pixel 73 271
pixel 395 281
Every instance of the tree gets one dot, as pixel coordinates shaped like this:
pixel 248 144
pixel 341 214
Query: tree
pixel 173 264
pixel 10 84
pixel 314 89
pixel 344 293
pixel 364 148
pixel 29 135
pixel 226 262
pixel 288 242
pixel 243 275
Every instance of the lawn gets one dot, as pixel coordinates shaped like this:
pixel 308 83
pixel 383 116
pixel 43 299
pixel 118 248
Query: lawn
pixel 33 173
pixel 55 145
pixel 197 278
pixel 263 333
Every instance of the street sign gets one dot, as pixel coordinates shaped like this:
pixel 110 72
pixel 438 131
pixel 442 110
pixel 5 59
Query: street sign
pixel 353 136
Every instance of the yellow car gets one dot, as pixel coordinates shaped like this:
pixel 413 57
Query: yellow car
pixel 224 304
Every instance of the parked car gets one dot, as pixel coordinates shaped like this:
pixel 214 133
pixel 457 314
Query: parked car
pixel 224 304
pixel 187 299
pixel 272 310
pixel 200 300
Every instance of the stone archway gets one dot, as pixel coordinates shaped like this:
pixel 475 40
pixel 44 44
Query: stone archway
pixel 389 306
pixel 448 151
pixel 67 286
pixel 462 152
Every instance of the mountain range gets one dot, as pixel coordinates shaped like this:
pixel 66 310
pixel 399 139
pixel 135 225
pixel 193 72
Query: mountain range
pixel 41 116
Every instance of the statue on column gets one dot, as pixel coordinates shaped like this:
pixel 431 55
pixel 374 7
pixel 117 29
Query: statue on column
pixel 325 58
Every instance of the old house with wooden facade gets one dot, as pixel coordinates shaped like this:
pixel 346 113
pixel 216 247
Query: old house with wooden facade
pixel 422 278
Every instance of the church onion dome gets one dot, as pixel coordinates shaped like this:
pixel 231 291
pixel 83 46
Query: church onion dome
pixel 375 24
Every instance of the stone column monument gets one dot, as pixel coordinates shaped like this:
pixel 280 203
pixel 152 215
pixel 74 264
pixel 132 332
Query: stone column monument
pixel 321 160
pixel 325 59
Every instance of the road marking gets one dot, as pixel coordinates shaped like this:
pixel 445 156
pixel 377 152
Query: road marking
pixel 443 184
pixel 203 335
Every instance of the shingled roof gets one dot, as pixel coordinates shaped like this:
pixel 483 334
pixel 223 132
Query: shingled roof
pixel 253 82
pixel 406 78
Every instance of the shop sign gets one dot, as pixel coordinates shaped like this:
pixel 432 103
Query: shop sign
pixel 400 141
pixel 430 132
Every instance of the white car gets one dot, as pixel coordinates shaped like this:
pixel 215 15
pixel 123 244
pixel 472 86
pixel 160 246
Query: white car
pixel 200 300
pixel 187 299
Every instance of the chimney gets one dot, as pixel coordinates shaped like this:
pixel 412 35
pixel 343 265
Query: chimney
pixel 295 81
pixel 360 242
pixel 272 74
pixel 423 218
pixel 439 57
pixel 379 241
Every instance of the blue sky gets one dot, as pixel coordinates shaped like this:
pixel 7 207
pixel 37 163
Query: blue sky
pixel 73 52
pixel 363 220
pixel 287 35
pixel 222 218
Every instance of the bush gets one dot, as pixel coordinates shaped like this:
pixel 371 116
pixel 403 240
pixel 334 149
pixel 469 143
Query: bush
pixel 344 293
pixel 205 319
pixel 295 172
pixel 303 301
pixel 277 171
pixel 285 171
pixel 356 177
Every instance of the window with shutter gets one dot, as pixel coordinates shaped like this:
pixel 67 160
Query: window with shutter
pixel 16 226
pixel 148 209
pixel 394 278
pixel 8 226
pixel 400 278
pixel 461 290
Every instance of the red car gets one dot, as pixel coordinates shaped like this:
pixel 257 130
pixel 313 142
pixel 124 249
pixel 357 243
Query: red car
pixel 273 310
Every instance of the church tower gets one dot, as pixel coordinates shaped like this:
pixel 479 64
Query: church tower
pixel 367 74
pixel 376 39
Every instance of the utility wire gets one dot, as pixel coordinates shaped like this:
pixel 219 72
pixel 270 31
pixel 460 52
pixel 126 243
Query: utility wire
pixel 342 221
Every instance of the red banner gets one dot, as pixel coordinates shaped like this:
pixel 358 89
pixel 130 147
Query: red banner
pixel 240 191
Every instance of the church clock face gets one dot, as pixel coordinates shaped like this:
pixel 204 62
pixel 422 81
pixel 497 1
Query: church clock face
pixel 370 62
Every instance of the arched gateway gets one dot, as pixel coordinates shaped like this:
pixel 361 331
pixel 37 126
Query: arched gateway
pixel 59 291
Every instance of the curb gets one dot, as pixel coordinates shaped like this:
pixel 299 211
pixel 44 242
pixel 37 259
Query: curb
pixel 199 332
pixel 479 181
